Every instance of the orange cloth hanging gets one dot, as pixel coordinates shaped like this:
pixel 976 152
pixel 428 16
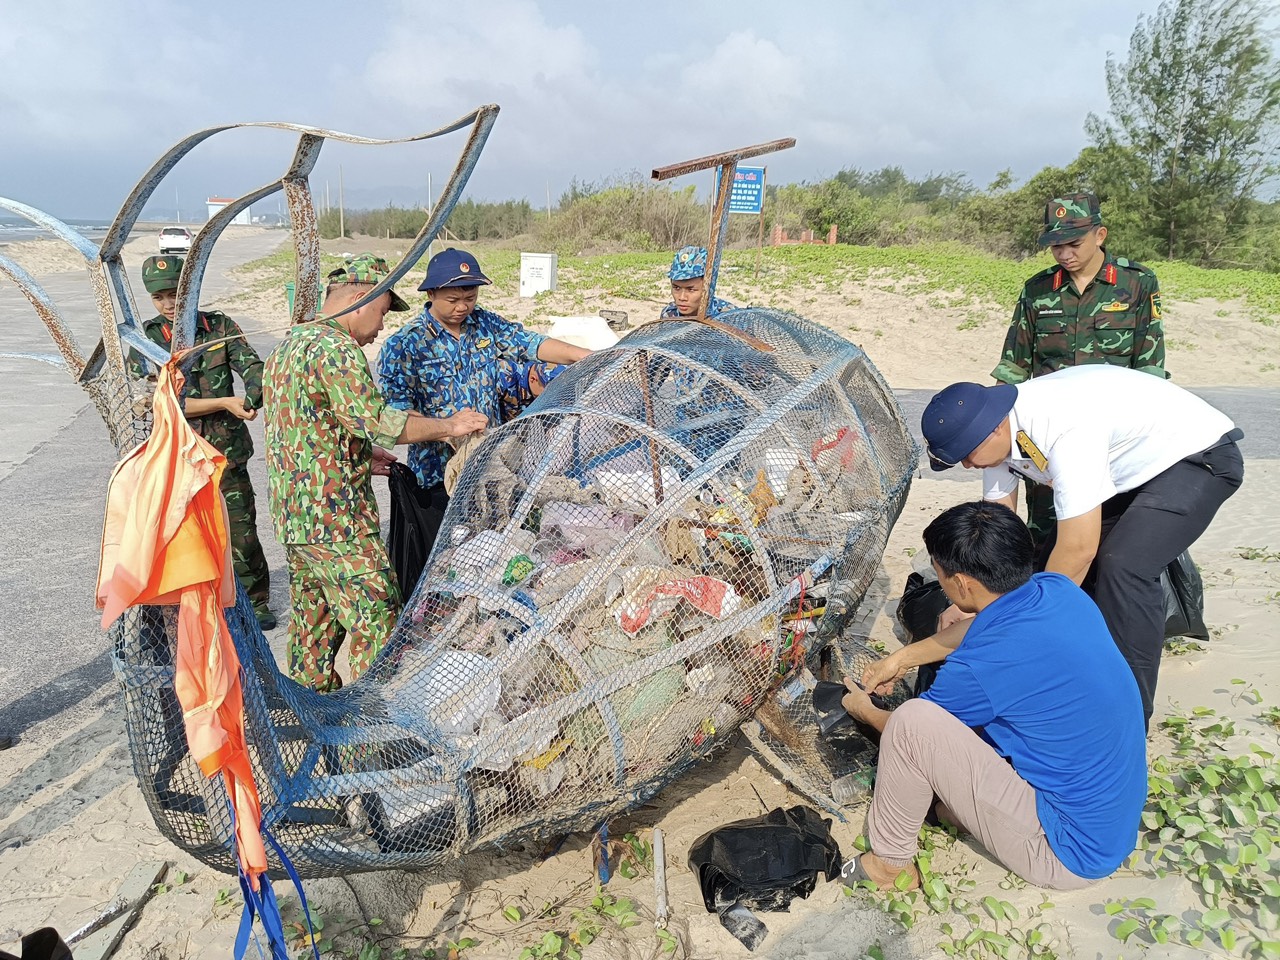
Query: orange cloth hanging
pixel 165 541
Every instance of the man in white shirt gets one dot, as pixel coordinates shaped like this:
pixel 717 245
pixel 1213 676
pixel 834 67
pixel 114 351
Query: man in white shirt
pixel 1138 468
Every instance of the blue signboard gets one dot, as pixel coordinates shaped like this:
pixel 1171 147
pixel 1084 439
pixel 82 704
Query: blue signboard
pixel 747 193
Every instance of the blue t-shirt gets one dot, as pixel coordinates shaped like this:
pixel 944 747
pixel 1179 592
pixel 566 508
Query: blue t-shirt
pixel 1039 672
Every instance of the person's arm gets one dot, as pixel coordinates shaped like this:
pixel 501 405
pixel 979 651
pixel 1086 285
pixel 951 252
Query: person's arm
pixel 202 407
pixel 1019 343
pixel 1076 546
pixel 880 676
pixel 420 429
pixel 245 362
pixel 557 351
pixel 1148 348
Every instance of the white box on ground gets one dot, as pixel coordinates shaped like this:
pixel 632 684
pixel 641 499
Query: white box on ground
pixel 537 273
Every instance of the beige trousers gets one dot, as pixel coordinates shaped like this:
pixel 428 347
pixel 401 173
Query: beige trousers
pixel 926 751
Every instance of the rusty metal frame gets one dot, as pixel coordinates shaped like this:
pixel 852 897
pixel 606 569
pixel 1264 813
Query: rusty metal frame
pixel 727 165
pixel 108 275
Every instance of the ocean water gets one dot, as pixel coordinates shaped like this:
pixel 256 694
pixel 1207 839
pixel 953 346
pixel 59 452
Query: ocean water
pixel 15 230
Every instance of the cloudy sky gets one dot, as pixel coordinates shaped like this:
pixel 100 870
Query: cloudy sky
pixel 92 92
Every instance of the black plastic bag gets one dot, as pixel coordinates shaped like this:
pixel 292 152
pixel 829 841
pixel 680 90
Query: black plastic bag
pixel 1183 599
pixel 766 861
pixel 922 603
pixel 44 944
pixel 416 515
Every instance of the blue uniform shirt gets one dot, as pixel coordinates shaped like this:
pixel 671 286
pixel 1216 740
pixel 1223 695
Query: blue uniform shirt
pixel 715 307
pixel 425 368
pixel 1039 672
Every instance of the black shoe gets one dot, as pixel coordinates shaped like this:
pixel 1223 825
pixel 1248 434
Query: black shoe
pixel 6 741
pixel 266 619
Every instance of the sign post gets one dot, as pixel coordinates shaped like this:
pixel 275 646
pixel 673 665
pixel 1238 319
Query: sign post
pixel 727 161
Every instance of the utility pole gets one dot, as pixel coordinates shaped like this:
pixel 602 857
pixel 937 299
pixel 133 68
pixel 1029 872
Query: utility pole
pixel 548 201
pixel 431 244
pixel 342 212
pixel 177 207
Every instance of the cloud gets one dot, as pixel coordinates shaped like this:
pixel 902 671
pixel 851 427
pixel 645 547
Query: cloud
pixel 102 77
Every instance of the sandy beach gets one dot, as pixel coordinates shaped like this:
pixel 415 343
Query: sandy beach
pixel 72 822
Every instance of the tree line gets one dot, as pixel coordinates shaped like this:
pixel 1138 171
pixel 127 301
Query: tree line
pixel 1186 163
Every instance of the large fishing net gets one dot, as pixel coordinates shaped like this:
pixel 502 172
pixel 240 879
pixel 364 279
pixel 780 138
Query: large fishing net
pixel 672 539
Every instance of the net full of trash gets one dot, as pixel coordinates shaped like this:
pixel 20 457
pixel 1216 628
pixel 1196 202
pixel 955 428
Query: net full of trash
pixel 672 539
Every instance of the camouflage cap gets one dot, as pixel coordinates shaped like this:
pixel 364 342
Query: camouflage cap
pixel 161 273
pixel 1069 218
pixel 366 268
pixel 689 264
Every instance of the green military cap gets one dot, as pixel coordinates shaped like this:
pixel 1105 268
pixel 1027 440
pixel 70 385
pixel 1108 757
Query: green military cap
pixel 1069 218
pixel 161 273
pixel 366 268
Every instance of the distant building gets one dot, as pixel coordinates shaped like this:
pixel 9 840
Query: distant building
pixel 215 204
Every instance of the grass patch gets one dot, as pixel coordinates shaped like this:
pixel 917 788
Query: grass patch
pixel 950 274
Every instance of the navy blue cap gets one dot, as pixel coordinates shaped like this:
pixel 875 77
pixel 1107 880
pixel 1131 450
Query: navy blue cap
pixel 959 418
pixel 453 268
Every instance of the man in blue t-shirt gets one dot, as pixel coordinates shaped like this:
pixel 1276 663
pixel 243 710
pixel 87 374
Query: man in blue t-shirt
pixel 1031 738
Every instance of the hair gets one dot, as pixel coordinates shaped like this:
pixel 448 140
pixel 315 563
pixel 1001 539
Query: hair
pixel 346 292
pixel 985 541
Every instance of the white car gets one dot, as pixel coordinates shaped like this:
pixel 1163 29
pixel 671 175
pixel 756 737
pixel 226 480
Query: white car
pixel 175 240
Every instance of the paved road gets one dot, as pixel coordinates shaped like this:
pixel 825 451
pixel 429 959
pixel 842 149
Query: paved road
pixel 55 460
pixel 1252 408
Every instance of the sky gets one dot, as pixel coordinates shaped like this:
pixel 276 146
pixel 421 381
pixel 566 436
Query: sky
pixel 92 93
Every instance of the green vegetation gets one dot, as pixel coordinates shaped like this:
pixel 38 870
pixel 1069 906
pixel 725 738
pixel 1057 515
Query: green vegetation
pixel 1212 818
pixel 952 274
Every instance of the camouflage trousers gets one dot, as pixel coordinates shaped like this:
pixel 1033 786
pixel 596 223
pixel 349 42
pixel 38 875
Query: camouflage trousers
pixel 340 590
pixel 246 549
pixel 1040 516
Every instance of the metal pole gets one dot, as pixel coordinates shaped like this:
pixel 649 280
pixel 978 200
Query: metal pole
pixel 661 911
pixel 342 223
pixel 764 180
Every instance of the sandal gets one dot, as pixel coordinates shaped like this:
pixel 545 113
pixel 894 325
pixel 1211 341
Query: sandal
pixel 853 872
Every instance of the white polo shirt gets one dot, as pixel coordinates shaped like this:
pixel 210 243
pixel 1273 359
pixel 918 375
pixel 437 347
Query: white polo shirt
pixel 1103 430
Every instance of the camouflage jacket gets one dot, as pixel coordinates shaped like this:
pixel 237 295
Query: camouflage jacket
pixel 210 378
pixel 323 415
pixel 1116 320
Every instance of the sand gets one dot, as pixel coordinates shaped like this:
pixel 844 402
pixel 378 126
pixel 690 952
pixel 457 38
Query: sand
pixel 72 822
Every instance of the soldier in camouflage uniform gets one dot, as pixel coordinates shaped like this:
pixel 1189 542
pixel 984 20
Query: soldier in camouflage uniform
pixel 327 429
pixel 1091 308
pixel 217 414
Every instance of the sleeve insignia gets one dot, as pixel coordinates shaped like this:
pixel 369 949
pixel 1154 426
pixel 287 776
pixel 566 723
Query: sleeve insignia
pixel 1155 306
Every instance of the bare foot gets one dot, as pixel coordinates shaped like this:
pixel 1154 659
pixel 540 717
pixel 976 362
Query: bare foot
pixel 885 877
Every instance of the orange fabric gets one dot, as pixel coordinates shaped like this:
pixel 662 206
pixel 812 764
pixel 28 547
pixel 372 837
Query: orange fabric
pixel 165 541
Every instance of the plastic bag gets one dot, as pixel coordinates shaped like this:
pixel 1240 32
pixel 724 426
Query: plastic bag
pixel 922 603
pixel 1183 599
pixel 415 520
pixel 766 861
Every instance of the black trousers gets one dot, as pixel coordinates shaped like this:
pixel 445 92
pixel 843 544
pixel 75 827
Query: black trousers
pixel 1143 530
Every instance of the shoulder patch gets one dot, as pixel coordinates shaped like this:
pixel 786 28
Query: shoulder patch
pixel 1031 451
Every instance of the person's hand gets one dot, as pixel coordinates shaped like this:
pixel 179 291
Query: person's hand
pixel 466 421
pixel 236 407
pixel 382 461
pixel 952 614
pixel 856 702
pixel 881 677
